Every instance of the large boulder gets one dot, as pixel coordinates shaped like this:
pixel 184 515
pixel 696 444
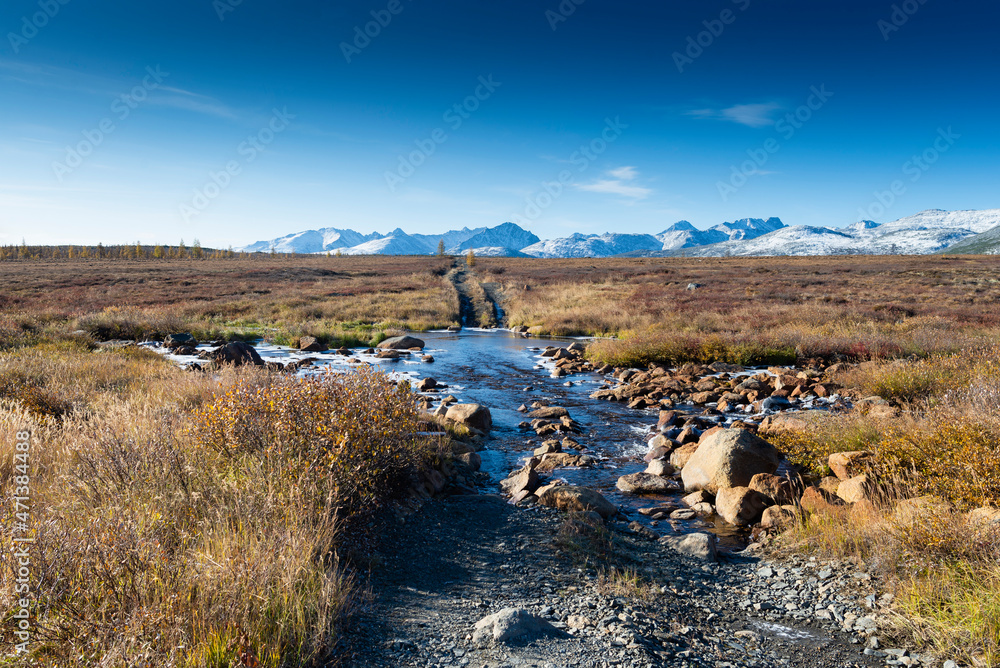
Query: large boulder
pixel 660 467
pixel 471 415
pixel 729 458
pixel 400 343
pixel 645 483
pixel 984 516
pixel 855 489
pixel 577 499
pixel 508 624
pixel 549 413
pixel 682 455
pixel 783 423
pixel 699 545
pixel 311 344
pixel 237 353
pixel 821 502
pixel 472 460
pixel 778 517
pixel 524 479
pixel 740 505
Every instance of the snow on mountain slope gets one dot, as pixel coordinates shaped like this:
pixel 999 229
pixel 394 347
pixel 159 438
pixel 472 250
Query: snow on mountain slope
pixel 396 242
pixel 496 251
pixel 748 228
pixel 451 237
pixel 312 241
pixel 507 235
pixel 683 234
pixel 593 245
pixel 926 232
pixel 794 240
pixel 984 243
pixel 929 231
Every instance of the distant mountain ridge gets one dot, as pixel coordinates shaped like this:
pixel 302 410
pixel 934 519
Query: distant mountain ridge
pixel 931 231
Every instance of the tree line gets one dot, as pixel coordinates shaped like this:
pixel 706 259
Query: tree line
pixel 136 251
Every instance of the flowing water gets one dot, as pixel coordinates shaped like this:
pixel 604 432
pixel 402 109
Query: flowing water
pixel 501 370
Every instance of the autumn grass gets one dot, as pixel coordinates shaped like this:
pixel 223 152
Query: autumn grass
pixel 941 449
pixel 625 583
pixel 939 564
pixel 339 300
pixel 194 520
pixel 758 310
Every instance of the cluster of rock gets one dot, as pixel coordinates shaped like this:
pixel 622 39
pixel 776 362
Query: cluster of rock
pixel 546 420
pixel 728 472
pixel 456 471
pixel 234 353
pixel 528 485
pixel 726 386
pixel 852 490
pixel 239 353
pixel 397 347
pixel 568 360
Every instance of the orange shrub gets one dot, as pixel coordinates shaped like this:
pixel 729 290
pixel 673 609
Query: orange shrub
pixel 351 436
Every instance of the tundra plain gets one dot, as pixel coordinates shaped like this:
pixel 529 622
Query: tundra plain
pixel 161 496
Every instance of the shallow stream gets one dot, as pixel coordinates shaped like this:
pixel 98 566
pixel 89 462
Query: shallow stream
pixel 501 370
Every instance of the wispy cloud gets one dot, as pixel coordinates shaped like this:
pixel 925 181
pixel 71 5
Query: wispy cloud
pixel 618 184
pixel 752 115
pixel 193 102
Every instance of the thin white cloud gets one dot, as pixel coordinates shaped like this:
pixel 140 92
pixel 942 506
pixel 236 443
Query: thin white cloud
pixel 194 103
pixel 618 184
pixel 611 187
pixel 752 115
pixel 624 173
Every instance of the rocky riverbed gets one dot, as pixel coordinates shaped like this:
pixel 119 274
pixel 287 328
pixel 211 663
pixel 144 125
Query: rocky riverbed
pixel 474 580
pixel 466 559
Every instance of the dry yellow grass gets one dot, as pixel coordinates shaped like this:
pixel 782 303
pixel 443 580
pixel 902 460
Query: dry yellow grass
pixel 942 449
pixel 187 519
pixel 337 299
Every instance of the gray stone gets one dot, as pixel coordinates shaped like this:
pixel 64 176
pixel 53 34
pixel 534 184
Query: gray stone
pixel 401 343
pixel 237 353
pixel 573 498
pixel 310 344
pixel 698 545
pixel 471 415
pixel 508 624
pixel 645 483
pixel 729 458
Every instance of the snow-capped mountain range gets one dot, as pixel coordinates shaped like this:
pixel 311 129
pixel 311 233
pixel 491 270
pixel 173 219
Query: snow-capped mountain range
pixel 929 231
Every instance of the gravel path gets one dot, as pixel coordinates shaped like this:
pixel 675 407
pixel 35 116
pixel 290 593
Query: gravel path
pixel 462 558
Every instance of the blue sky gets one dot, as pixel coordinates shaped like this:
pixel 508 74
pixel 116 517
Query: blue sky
pixel 232 121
